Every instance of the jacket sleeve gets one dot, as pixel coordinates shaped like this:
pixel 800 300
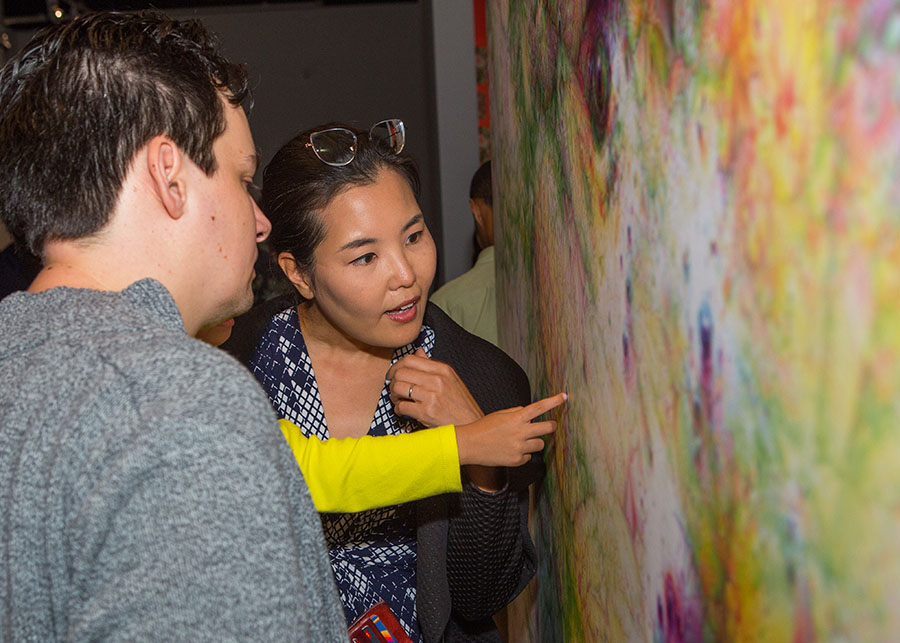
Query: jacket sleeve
pixel 355 474
pixel 490 556
pixel 488 559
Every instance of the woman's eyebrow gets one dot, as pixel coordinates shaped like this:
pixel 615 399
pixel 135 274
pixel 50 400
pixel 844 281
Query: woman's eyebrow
pixel 416 219
pixel 364 241
pixel 357 243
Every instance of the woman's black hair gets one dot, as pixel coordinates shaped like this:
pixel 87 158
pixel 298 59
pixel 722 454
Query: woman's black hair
pixel 297 186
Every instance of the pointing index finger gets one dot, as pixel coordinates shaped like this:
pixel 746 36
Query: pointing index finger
pixel 540 407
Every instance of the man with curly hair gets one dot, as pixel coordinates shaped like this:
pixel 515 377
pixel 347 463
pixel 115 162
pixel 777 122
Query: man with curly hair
pixel 146 491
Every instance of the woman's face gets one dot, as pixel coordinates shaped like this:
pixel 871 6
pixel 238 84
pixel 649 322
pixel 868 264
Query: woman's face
pixel 375 265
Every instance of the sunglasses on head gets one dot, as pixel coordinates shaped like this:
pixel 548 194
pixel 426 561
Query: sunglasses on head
pixel 336 146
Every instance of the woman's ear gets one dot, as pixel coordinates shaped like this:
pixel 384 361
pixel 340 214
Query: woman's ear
pixel 292 271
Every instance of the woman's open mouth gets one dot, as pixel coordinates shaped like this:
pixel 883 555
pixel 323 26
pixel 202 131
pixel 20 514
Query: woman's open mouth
pixel 404 313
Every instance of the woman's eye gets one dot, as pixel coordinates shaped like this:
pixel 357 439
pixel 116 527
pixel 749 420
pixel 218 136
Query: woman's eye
pixel 364 260
pixel 414 237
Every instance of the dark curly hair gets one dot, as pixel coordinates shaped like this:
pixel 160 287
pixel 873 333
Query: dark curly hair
pixel 80 100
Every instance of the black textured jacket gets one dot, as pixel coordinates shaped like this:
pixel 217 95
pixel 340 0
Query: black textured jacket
pixel 474 550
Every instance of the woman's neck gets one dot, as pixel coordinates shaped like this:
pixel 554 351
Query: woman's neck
pixel 331 343
pixel 349 375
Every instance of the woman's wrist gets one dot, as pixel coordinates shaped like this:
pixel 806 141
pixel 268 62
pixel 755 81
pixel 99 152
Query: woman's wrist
pixel 489 479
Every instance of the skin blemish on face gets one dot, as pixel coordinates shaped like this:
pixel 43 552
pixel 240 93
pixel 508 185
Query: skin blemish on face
pixel 213 217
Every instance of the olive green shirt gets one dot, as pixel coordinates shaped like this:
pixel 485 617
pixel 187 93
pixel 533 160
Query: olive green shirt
pixel 471 298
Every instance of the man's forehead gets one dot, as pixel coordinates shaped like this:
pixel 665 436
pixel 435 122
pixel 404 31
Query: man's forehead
pixel 237 141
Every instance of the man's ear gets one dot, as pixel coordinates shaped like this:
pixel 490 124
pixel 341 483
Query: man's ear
pixel 480 212
pixel 477 211
pixel 484 222
pixel 301 281
pixel 165 165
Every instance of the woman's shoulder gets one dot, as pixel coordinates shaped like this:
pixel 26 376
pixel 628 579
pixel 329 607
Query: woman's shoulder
pixel 249 328
pixel 452 338
pixel 487 370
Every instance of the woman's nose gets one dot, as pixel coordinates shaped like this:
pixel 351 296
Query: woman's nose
pixel 403 274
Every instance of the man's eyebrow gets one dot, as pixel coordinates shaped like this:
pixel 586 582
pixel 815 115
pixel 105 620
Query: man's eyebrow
pixel 252 160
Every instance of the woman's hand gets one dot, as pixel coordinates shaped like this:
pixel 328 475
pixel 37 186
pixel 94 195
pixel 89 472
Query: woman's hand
pixel 506 438
pixel 430 392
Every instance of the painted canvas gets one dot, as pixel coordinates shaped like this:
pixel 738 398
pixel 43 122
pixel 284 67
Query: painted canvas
pixel 699 207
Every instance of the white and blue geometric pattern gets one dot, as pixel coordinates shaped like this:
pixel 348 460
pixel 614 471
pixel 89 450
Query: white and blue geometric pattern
pixel 373 553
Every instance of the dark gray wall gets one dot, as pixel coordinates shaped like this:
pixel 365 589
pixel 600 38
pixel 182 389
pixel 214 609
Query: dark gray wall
pixel 456 112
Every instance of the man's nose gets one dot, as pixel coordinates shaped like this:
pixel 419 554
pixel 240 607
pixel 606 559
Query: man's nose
pixel 263 225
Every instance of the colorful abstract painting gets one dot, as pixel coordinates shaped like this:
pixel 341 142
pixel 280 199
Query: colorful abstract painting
pixel 699 207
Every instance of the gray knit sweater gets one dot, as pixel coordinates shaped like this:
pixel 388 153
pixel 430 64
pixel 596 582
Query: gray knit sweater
pixel 146 492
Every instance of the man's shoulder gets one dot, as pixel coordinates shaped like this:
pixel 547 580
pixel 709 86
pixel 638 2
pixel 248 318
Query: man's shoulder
pixel 175 381
pixel 144 368
pixel 162 442
pixel 468 285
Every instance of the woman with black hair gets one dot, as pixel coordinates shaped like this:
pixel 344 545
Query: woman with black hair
pixel 359 351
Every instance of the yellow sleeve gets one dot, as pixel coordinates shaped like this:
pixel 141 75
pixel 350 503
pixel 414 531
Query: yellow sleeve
pixel 354 474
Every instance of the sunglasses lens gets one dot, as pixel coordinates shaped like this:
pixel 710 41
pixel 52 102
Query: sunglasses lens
pixel 388 136
pixel 334 146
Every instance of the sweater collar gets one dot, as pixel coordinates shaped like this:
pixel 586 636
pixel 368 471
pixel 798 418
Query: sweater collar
pixel 152 297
